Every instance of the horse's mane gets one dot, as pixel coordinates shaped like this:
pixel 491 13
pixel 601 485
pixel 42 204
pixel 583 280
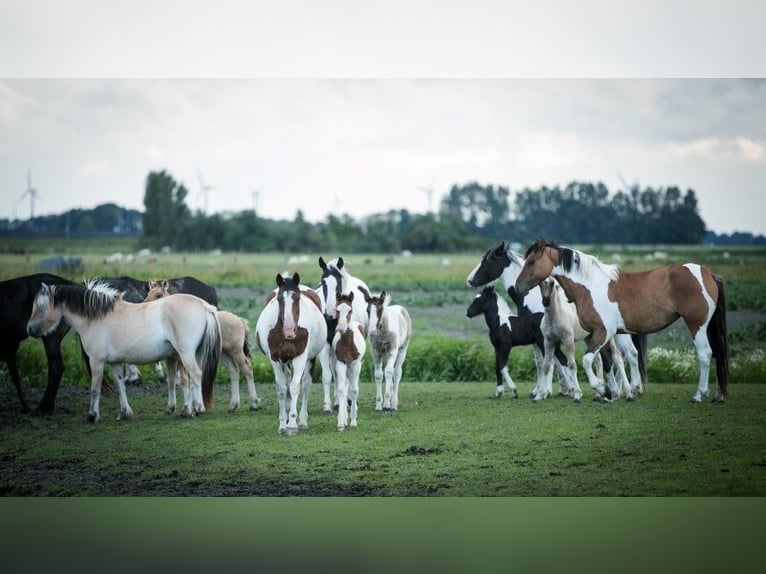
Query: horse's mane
pixel 92 300
pixel 579 264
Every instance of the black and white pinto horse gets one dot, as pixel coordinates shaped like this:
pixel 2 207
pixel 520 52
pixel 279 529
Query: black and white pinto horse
pixel 505 332
pixel 337 281
pixel 16 299
pixel 504 263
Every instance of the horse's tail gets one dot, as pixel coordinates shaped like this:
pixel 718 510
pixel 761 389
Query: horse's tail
pixel 717 336
pixel 640 342
pixel 208 354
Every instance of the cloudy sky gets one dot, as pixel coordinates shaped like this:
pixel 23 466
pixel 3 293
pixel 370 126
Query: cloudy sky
pixel 360 146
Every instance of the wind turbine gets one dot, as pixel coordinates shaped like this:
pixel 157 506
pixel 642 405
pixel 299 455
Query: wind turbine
pixel 203 191
pixel 429 191
pixel 256 193
pixel 32 193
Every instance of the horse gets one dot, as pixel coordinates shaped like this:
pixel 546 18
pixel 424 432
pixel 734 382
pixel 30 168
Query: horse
pixel 348 347
pixel 611 301
pixel 291 331
pixel 389 331
pixel 235 339
pixel 501 261
pixel 334 281
pixel 16 299
pixel 114 331
pixel 507 331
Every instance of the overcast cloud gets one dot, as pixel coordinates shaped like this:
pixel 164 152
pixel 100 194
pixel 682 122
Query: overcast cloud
pixel 366 146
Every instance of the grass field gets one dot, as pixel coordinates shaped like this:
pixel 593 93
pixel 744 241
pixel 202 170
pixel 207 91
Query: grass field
pixel 448 438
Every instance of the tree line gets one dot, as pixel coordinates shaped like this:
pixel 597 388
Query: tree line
pixel 469 216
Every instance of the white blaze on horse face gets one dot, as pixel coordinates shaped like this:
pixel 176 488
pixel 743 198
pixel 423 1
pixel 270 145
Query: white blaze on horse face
pixel 344 317
pixel 289 326
pixel 374 318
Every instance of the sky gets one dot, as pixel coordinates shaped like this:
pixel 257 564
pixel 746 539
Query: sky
pixel 363 137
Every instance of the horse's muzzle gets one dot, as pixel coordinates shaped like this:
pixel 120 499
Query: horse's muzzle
pixel 33 330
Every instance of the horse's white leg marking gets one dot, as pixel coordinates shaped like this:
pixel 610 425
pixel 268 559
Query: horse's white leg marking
pixel 125 411
pixel 539 360
pixel 704 351
pixel 158 370
pixel 571 372
pixel 401 355
pixel 328 367
pixel 704 354
pixel 353 388
pixel 303 416
pixel 97 374
pixel 546 388
pixel 388 373
pixel 630 354
pixel 280 377
pixel 172 370
pixel 619 366
pixel 341 388
pixel 587 364
pixel 246 367
pixel 378 374
pixel 508 381
pixel 231 368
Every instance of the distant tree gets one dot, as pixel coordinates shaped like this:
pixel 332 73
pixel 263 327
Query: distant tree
pixel 165 210
pixel 483 209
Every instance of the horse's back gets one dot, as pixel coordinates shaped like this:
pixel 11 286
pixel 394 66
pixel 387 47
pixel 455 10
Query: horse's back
pixel 194 286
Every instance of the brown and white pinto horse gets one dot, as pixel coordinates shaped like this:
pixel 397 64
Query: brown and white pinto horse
pixel 291 331
pixel 611 301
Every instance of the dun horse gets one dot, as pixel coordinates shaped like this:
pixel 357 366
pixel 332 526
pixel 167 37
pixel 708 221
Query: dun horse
pixel 611 301
pixel 235 338
pixel 113 331
pixel 348 346
pixel 390 331
pixel 291 331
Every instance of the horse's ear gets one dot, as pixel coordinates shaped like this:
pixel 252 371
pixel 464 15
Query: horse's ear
pixel 366 294
pixel 296 279
pixel 322 264
pixel 340 263
pixel 500 249
pixel 350 296
pixel 280 280
pixel 383 295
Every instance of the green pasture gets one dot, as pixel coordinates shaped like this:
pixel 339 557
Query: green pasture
pixel 449 438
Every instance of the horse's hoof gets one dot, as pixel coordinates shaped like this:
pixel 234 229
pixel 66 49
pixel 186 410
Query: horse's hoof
pixel 291 431
pixel 303 426
pixel 92 418
pixel 630 399
pixel 387 409
pixel 326 412
pixel 576 400
pixel 254 407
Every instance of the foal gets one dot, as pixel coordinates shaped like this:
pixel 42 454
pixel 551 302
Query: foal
pixel 235 336
pixel 348 347
pixel 505 332
pixel 390 330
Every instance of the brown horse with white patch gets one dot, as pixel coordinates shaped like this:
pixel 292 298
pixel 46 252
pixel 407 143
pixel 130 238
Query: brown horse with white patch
pixel 611 301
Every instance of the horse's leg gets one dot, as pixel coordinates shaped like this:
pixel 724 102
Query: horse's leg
pixel 132 374
pixel 569 352
pixel 341 388
pixel 353 388
pixel 305 381
pixel 294 388
pixel 594 343
pixel 539 354
pixel 97 376
pixel 388 375
pixel 546 389
pixel 231 368
pixel 619 366
pixel 326 360
pixel 171 365
pixel 193 403
pixel 630 354
pixel 120 376
pixel 377 360
pixel 158 370
pixel 704 354
pixel 247 368
pixel 400 357
pixel 14 372
pixel 52 344
pixel 281 383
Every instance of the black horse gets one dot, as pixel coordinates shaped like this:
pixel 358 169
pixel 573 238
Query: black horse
pixel 16 300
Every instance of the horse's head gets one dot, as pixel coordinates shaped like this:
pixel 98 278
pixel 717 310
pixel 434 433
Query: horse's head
pixel 547 290
pixel 289 299
pixel 332 285
pixel 345 309
pixel 481 302
pixel 498 261
pixel 45 315
pixel 375 307
pixel 158 289
pixel 539 261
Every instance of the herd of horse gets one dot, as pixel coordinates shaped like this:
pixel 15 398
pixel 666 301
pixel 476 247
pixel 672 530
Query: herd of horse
pixel 562 295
